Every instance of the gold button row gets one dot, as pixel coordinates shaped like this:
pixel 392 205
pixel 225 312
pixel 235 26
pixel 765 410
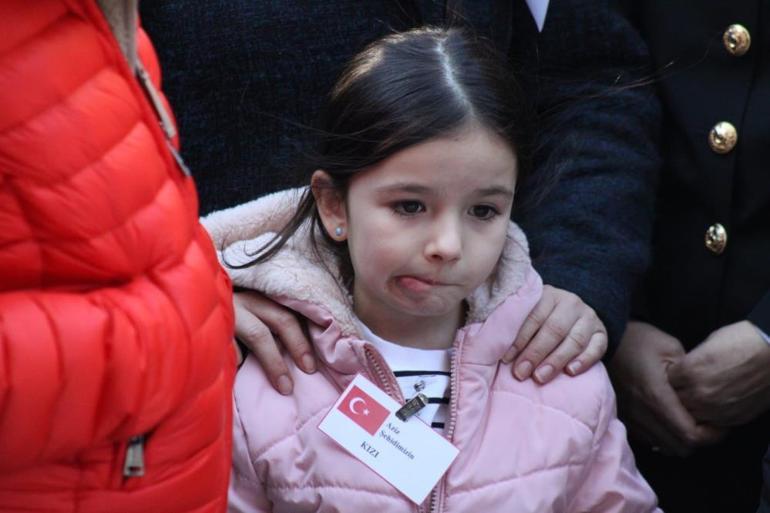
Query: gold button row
pixel 723 136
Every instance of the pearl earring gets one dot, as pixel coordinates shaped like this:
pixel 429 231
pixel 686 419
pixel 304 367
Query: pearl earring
pixel 338 231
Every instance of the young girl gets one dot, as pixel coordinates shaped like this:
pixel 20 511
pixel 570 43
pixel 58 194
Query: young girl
pixel 402 258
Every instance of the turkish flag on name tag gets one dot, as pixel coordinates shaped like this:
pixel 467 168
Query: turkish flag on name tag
pixel 362 409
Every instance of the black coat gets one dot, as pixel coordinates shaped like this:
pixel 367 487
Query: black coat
pixel 691 289
pixel 247 78
pixel 764 506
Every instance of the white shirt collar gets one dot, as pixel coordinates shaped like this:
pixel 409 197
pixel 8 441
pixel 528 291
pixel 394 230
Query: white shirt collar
pixel 538 8
pixel 403 357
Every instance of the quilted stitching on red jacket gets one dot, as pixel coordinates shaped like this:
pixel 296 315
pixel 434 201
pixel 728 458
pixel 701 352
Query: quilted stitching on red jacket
pixel 115 318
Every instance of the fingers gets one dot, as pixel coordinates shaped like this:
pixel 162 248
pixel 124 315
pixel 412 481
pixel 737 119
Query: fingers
pixel 238 353
pixel 555 330
pixel 532 324
pixel 647 401
pixel 656 436
pixel 257 337
pixel 684 433
pixel 256 320
pixel 284 323
pixel 715 396
pixel 669 425
pixel 699 394
pixel 589 343
pixel 561 332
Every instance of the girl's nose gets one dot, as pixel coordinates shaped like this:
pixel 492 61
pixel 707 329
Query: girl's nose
pixel 445 242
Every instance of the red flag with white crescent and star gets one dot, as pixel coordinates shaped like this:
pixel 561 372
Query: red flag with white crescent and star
pixel 362 409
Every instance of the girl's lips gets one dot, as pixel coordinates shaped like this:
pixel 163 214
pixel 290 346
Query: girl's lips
pixel 416 284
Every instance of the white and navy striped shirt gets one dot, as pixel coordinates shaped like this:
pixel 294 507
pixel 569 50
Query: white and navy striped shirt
pixel 418 370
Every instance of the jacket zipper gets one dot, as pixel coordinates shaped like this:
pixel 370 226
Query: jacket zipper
pixel 453 385
pixel 433 499
pixel 133 465
pixel 164 117
pixel 383 374
pixel 386 379
pixel 450 426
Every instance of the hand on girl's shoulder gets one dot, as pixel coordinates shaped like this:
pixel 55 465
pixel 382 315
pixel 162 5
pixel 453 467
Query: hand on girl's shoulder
pixel 561 334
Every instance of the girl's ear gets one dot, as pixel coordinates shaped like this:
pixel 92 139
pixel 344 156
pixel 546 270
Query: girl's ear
pixel 331 205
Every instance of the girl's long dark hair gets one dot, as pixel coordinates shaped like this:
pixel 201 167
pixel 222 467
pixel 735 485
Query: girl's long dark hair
pixel 402 90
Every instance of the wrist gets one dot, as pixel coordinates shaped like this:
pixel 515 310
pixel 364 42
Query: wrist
pixel 765 336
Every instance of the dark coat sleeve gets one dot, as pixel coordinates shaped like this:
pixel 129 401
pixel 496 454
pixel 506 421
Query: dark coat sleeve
pixel 760 314
pixel 588 204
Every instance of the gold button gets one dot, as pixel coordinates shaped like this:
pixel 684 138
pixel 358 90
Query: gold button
pixel 737 39
pixel 722 137
pixel 716 238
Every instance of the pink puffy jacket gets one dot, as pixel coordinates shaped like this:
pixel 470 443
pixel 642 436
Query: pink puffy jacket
pixel 523 447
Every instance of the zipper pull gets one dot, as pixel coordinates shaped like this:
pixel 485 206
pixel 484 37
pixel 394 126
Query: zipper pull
pixel 412 406
pixel 134 464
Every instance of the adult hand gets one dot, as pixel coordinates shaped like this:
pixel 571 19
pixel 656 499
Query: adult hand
pixel 649 404
pixel 259 324
pixel 561 331
pixel 726 379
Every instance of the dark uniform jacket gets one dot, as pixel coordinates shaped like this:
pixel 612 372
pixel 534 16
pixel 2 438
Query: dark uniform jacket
pixel 764 506
pixel 247 79
pixel 711 238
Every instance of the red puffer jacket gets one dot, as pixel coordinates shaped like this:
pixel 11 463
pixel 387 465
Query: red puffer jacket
pixel 115 319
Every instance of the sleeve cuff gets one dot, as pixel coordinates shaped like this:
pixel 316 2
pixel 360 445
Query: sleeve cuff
pixel 763 334
pixel 760 317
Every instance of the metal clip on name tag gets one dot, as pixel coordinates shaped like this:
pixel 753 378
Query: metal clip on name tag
pixel 412 406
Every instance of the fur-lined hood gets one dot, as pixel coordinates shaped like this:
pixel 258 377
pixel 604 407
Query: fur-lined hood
pixel 298 272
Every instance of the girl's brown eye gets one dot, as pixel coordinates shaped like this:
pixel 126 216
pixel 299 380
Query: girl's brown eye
pixel 408 207
pixel 484 211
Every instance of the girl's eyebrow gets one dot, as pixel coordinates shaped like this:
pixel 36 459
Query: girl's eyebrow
pixel 495 190
pixel 406 187
pixel 414 188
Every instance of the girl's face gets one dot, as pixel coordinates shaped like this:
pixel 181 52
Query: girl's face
pixel 426 227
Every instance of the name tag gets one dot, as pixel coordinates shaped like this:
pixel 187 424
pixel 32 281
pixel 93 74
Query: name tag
pixel 408 454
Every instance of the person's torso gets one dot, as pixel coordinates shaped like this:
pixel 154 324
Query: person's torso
pixel 91 201
pixel 522 447
pixel 712 186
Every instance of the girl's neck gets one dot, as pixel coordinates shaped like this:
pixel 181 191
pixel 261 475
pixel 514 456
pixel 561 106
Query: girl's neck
pixel 418 332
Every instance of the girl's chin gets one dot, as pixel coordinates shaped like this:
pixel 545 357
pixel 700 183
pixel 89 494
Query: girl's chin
pixel 427 307
pixel 401 305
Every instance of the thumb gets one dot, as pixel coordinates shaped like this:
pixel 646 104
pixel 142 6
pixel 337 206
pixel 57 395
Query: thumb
pixel 678 377
pixel 709 434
